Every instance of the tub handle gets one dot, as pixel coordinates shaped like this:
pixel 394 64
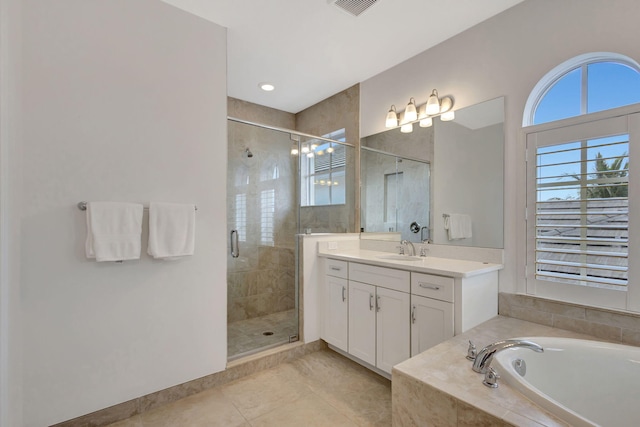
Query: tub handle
pixel 472 352
pixel 491 378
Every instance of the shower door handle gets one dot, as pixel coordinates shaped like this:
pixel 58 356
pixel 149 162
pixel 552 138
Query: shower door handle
pixel 235 248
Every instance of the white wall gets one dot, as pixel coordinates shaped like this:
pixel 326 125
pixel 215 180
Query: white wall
pixel 506 56
pixel 10 173
pixel 126 101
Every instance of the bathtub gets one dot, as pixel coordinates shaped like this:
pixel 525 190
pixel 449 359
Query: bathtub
pixel 585 383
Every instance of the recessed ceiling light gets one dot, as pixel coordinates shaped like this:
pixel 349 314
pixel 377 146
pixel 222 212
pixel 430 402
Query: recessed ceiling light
pixel 267 87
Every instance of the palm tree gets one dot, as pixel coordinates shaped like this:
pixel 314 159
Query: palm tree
pixel 605 174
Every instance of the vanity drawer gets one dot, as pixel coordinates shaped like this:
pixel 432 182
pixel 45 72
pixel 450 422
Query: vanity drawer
pixel 337 268
pixel 430 286
pixel 380 276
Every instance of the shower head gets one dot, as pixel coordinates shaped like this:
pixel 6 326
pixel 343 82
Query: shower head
pixel 248 153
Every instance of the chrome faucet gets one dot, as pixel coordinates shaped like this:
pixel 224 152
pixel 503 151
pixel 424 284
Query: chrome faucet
pixel 412 249
pixel 485 356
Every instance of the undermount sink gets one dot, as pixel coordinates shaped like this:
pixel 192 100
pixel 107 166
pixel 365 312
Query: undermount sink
pixel 400 257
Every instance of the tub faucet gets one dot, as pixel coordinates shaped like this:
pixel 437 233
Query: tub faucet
pixel 412 249
pixel 485 356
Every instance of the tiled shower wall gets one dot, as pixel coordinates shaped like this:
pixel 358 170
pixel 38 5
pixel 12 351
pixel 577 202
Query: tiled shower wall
pixel 340 111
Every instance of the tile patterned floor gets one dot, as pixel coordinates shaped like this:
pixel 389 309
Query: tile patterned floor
pixel 319 389
pixel 247 336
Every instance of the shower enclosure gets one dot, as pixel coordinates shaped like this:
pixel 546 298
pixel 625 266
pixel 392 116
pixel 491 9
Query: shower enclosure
pixel 266 172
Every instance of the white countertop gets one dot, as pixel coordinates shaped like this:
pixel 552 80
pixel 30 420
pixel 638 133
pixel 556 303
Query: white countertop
pixel 432 265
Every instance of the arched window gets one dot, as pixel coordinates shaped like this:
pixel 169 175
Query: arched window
pixel 585 84
pixel 578 182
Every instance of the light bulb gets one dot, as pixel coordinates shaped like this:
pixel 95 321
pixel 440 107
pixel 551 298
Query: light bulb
pixel 319 152
pixel 305 149
pixel 433 103
pixel 407 128
pixel 410 113
pixel 314 146
pixel 425 123
pixel 392 118
pixel 294 151
pixel 448 116
pixel 330 150
pixel 310 154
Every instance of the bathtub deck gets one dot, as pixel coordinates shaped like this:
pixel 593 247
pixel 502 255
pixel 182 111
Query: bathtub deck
pixel 438 387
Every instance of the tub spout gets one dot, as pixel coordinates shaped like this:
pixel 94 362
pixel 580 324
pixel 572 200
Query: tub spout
pixel 485 356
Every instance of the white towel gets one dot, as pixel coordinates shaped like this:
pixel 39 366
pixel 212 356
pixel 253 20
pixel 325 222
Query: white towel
pixel 458 226
pixel 172 230
pixel 114 231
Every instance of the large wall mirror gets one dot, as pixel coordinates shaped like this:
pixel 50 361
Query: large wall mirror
pixel 413 183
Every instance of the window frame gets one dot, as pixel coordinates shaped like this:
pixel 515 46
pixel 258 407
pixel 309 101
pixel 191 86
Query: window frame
pixel 591 125
pixel 552 77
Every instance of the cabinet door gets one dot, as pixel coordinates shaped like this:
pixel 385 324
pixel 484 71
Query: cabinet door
pixel 431 323
pixel 335 320
pixel 393 328
pixel 362 321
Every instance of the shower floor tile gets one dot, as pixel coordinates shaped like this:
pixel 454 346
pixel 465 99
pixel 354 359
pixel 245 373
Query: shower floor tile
pixel 247 336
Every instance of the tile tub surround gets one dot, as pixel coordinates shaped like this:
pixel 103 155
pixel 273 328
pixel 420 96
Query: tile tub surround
pixel 235 370
pixel 610 325
pixel 438 387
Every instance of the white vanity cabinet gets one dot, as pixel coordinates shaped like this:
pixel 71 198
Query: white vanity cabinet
pixel 382 315
pixel 379 307
pixel 432 311
pixel 335 307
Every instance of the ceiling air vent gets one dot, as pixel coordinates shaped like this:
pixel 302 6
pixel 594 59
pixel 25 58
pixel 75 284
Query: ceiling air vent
pixel 353 7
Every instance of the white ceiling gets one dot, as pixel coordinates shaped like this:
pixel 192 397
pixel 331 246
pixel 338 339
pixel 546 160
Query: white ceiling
pixel 311 49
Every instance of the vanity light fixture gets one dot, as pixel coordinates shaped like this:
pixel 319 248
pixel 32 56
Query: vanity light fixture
pixel 434 107
pixel 294 150
pixel 406 128
pixel 433 103
pixel 410 113
pixel 426 122
pixel 448 116
pixel 392 117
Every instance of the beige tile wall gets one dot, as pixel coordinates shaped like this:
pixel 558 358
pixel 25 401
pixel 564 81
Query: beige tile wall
pixel 602 323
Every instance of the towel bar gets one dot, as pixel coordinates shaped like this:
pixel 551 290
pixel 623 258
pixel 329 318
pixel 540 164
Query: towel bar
pixel 83 206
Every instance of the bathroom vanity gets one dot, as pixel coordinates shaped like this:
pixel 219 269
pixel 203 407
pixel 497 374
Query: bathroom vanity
pixel 381 308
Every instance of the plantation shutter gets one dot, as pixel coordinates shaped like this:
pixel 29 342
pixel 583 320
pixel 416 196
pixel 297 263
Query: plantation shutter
pixel 578 196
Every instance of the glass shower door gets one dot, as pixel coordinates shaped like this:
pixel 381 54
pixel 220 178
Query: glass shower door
pixel 262 294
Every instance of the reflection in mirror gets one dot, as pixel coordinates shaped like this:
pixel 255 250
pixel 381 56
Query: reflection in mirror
pixel 394 196
pixel 466 161
pixel 468 174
